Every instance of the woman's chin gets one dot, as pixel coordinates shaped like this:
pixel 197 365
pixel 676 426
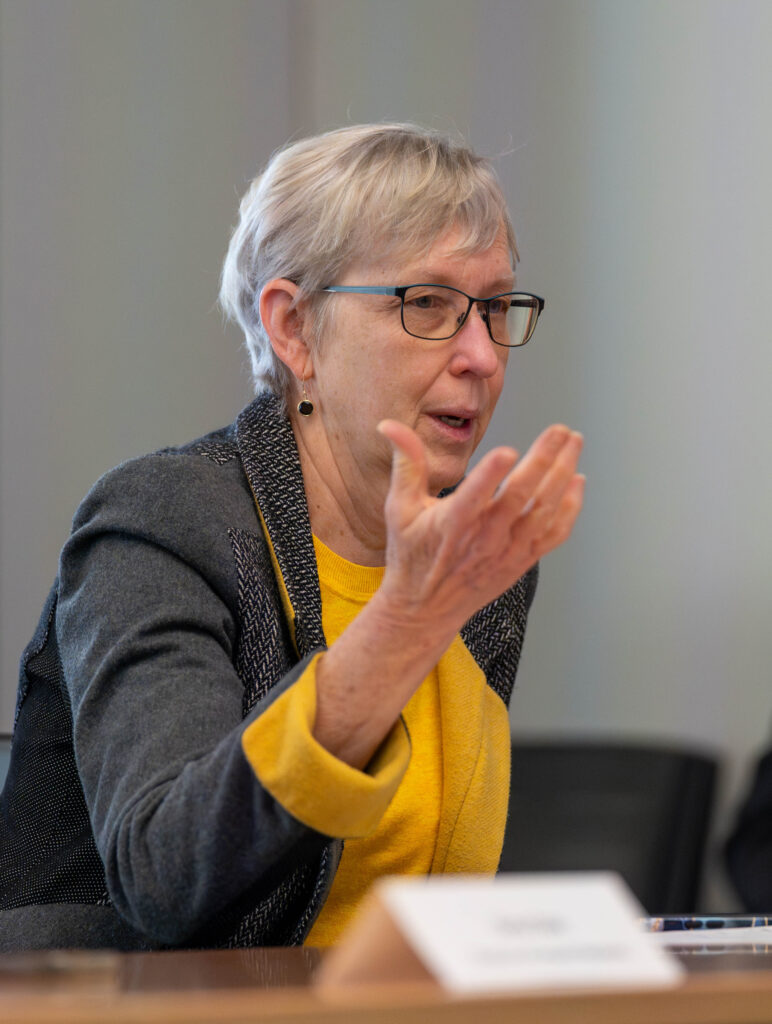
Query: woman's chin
pixel 446 473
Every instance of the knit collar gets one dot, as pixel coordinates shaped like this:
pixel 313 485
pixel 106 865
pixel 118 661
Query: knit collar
pixel 271 461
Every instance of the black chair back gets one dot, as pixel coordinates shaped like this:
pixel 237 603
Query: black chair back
pixel 641 811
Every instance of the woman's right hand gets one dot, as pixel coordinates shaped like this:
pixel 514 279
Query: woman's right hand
pixel 448 557
pixel 445 559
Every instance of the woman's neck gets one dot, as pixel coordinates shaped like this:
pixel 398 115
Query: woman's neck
pixel 346 510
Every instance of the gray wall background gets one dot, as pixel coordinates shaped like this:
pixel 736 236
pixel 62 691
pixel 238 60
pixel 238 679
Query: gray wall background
pixel 633 138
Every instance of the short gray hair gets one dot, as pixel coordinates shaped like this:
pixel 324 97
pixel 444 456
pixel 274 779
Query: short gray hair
pixel 354 194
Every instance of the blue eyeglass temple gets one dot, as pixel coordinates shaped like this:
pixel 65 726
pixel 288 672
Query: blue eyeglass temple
pixel 399 291
pixel 363 289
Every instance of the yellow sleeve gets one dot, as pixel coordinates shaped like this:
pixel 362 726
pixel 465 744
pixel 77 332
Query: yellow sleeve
pixel 311 783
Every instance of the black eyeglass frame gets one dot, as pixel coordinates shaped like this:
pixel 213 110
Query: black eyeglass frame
pixel 401 290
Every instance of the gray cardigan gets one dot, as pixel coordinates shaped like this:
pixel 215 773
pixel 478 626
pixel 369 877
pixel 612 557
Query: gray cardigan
pixel 131 817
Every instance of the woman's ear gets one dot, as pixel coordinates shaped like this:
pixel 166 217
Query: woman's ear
pixel 283 323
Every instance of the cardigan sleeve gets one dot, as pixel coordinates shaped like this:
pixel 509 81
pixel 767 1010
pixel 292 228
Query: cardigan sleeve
pixel 148 628
pixel 315 786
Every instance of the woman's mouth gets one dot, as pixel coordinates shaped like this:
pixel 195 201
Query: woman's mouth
pixel 454 425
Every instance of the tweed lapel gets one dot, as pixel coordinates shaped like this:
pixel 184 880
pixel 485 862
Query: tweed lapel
pixel 270 460
pixel 494 635
pixel 272 464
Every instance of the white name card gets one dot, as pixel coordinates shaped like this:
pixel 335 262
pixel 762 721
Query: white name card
pixel 504 934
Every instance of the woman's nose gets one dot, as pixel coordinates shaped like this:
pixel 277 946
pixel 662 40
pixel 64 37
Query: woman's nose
pixel 475 348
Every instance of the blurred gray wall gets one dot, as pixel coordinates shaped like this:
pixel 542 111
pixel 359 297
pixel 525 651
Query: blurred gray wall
pixel 633 138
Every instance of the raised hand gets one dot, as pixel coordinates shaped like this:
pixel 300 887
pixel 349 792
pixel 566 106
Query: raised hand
pixel 445 559
pixel 448 557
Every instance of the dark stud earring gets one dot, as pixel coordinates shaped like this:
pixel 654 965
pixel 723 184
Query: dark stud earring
pixel 305 405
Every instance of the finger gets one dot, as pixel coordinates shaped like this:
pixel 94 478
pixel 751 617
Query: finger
pixel 550 491
pixel 527 523
pixel 565 517
pixel 519 490
pixel 477 490
pixel 526 548
pixel 409 470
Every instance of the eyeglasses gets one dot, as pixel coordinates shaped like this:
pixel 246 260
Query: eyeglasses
pixel 435 312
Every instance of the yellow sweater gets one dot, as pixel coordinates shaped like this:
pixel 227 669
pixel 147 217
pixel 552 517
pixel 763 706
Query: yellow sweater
pixel 434 802
pixel 404 841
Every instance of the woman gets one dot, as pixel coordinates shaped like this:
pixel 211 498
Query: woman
pixel 275 664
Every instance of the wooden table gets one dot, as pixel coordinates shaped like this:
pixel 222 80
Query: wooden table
pixel 276 985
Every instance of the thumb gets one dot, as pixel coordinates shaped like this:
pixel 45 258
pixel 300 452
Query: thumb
pixel 409 472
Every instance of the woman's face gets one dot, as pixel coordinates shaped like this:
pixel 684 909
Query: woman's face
pixel 368 368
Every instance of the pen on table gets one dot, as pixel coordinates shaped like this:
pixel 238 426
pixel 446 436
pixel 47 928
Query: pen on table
pixel 698 922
